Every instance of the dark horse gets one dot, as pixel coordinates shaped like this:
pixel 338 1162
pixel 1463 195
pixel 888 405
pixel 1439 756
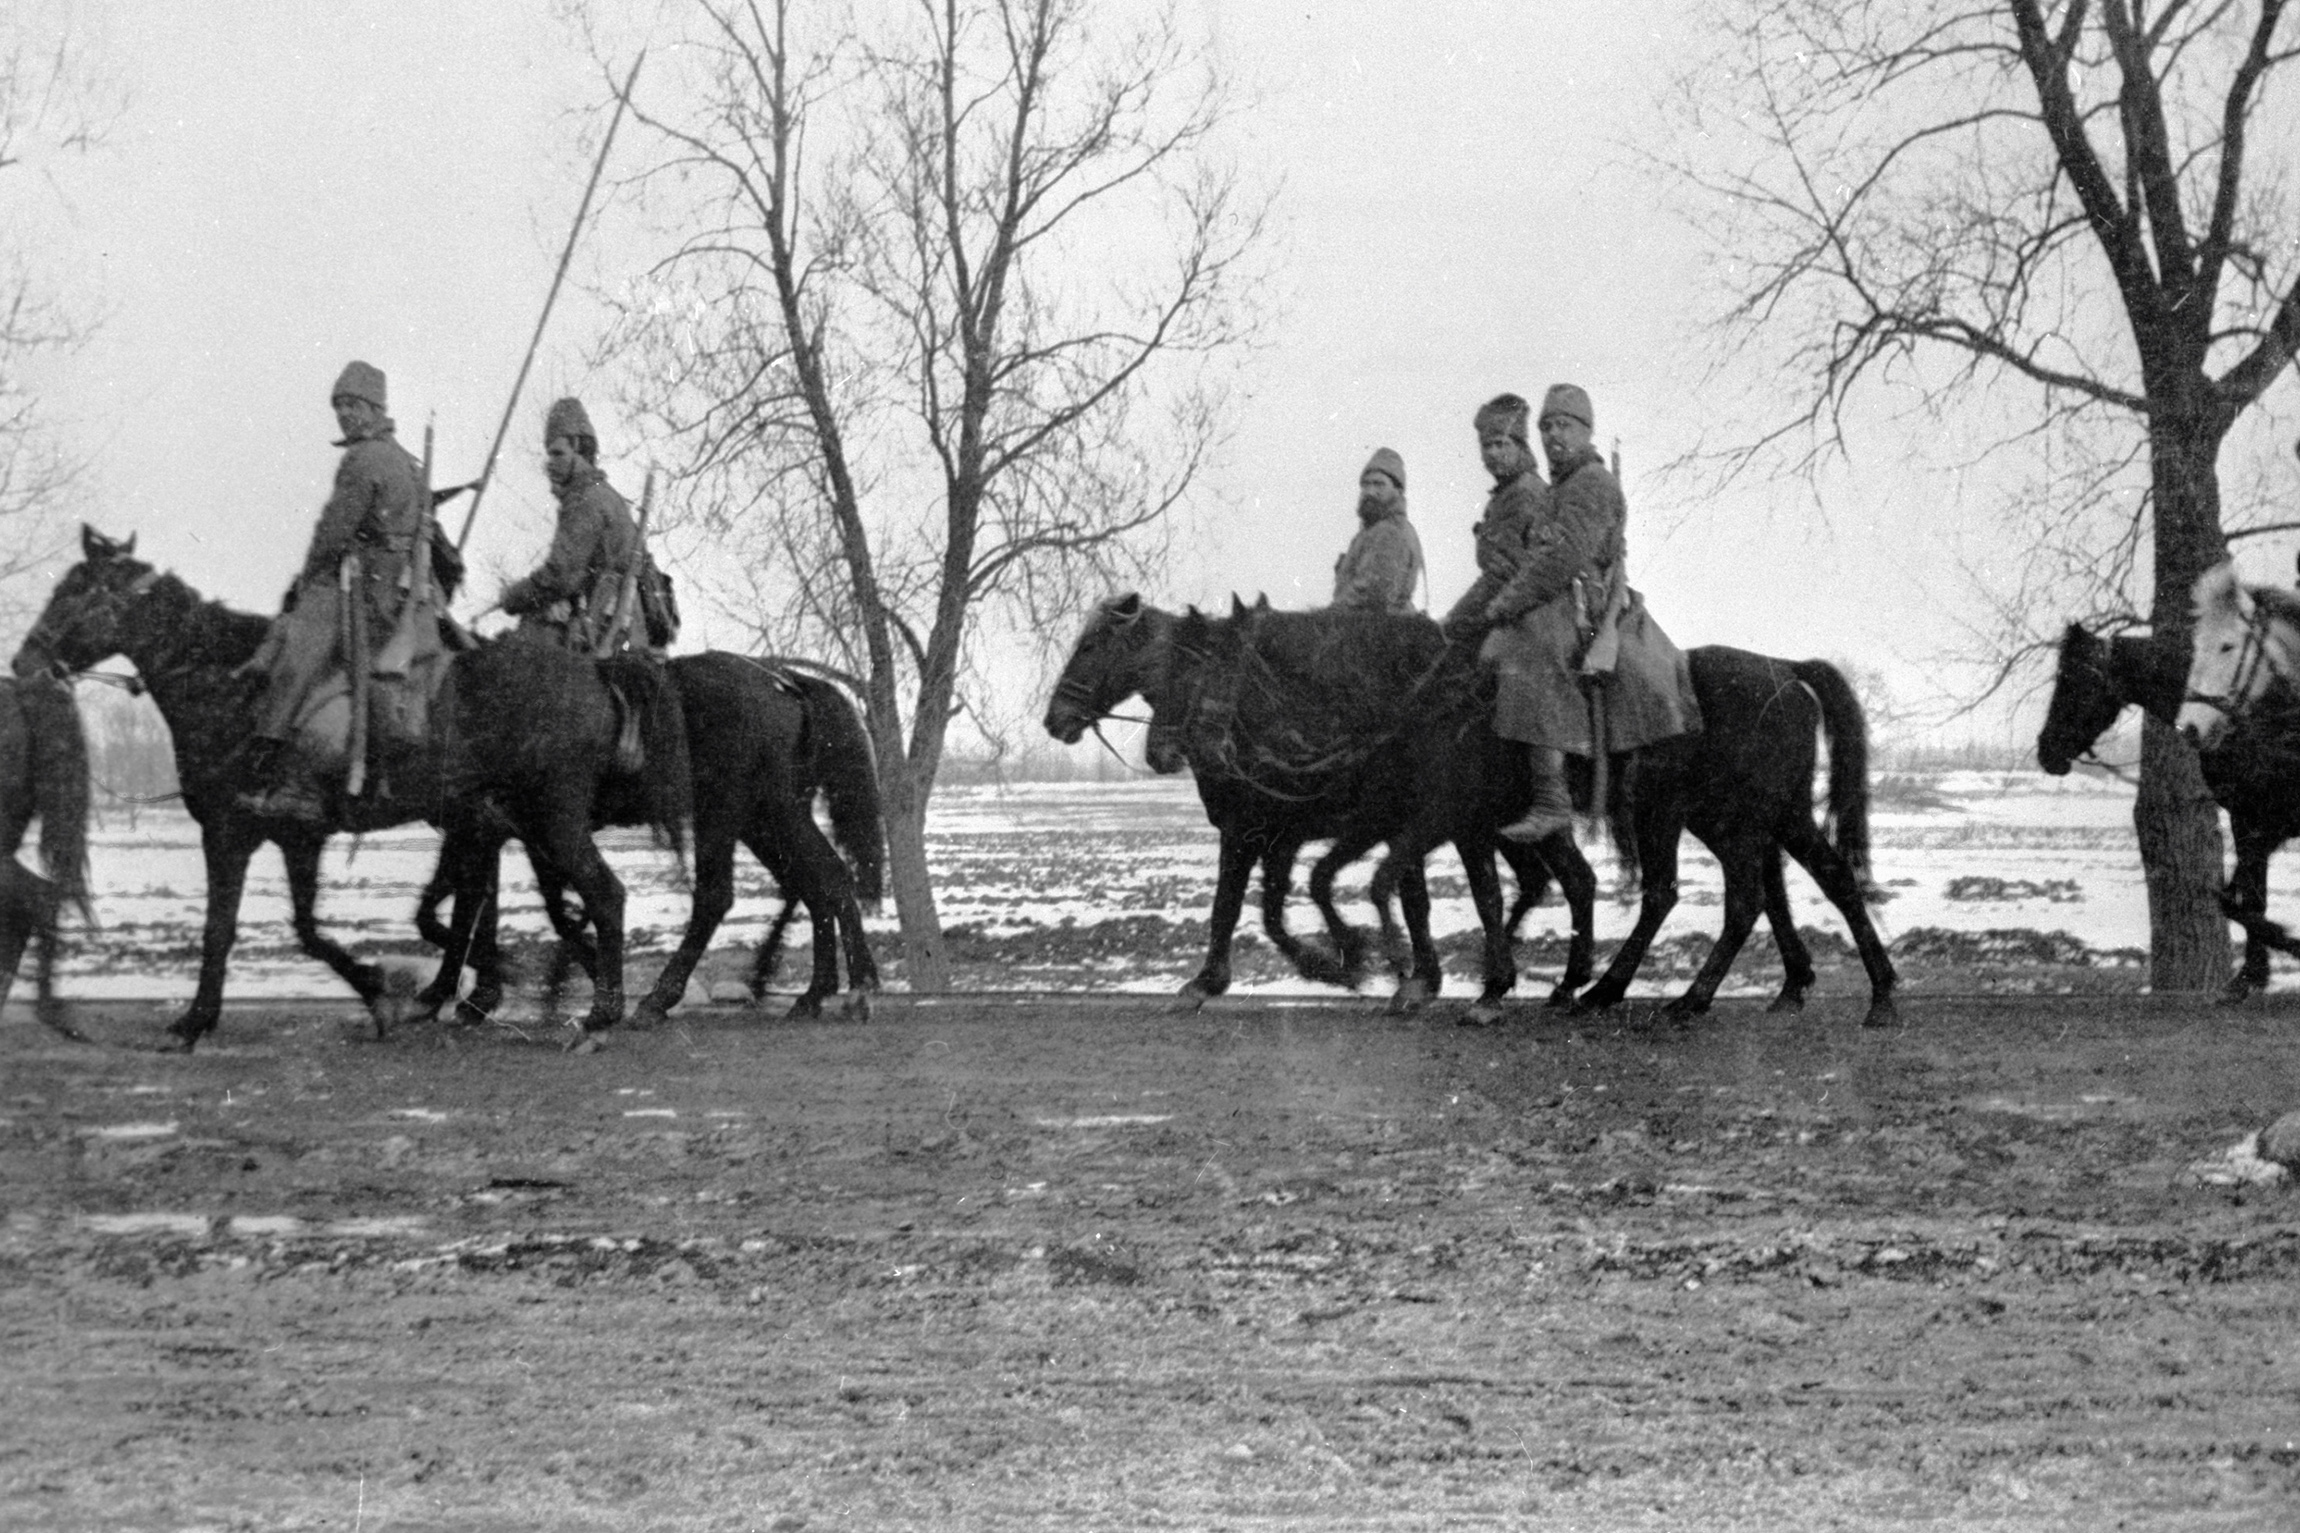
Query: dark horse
pixel 189 651
pixel 763 741
pixel 1744 785
pixel 2252 775
pixel 539 743
pixel 43 773
pixel 1291 724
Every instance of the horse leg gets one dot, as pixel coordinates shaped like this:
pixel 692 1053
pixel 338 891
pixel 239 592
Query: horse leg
pixel 1742 857
pixel 19 914
pixel 1348 964
pixel 1796 958
pixel 587 873
pixel 1500 946
pixel 714 897
pixel 862 971
pixel 1577 882
pixel 770 954
pixel 1531 870
pixel 1829 869
pixel 1414 900
pixel 1658 828
pixel 1277 885
pixel 2245 901
pixel 1236 863
pixel 227 866
pixel 300 854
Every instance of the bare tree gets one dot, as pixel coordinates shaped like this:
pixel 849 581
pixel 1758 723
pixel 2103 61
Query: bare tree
pixel 943 336
pixel 2069 210
pixel 53 102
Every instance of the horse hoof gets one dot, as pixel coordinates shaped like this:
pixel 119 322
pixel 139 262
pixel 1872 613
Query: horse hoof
pixel 857 1007
pixel 649 1013
pixel 1883 1012
pixel 1480 1014
pixel 1560 999
pixel 1785 1002
pixel 1411 996
pixel 601 1017
pixel 583 1043
pixel 805 1008
pixel 2238 992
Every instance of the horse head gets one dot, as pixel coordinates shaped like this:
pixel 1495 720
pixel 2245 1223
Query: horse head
pixel 81 624
pixel 1108 664
pixel 2244 638
pixel 2085 700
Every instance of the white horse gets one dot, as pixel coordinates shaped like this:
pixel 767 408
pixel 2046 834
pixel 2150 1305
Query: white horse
pixel 2246 637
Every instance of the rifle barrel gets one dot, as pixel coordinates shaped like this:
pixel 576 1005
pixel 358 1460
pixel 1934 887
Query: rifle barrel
pixel 566 256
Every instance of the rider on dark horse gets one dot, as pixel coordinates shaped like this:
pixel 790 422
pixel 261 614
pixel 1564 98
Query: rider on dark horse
pixel 573 598
pixel 1582 668
pixel 360 546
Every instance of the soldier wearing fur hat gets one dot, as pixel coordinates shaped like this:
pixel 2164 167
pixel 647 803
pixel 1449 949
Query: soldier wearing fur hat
pixel 1583 669
pixel 1383 564
pixel 571 598
pixel 366 529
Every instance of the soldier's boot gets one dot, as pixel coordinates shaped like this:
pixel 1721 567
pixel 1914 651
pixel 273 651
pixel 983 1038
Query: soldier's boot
pixel 1552 808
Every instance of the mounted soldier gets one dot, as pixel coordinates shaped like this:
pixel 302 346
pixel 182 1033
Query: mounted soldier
pixel 1383 564
pixel 345 602
pixel 597 562
pixel 1583 668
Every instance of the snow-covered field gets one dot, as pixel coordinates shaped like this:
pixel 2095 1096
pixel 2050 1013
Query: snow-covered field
pixel 1962 852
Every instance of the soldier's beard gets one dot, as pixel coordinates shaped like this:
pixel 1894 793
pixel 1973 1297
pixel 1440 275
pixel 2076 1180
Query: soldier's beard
pixel 1372 508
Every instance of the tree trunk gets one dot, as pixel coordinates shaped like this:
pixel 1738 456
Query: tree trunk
pixel 925 962
pixel 2175 817
pixel 2181 855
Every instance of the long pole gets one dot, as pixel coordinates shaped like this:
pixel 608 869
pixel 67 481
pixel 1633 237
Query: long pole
pixel 566 256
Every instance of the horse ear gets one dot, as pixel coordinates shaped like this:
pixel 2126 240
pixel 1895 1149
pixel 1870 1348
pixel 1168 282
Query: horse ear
pixel 1262 602
pixel 1237 607
pixel 93 544
pixel 1124 609
pixel 2217 588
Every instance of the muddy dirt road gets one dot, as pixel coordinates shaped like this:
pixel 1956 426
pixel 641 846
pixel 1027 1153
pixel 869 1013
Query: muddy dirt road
pixel 1084 1264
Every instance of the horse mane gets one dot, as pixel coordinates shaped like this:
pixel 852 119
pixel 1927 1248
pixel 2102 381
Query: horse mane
pixel 210 629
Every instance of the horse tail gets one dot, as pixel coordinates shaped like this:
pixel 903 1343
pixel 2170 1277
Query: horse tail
pixel 666 781
pixel 59 757
pixel 846 771
pixel 1847 731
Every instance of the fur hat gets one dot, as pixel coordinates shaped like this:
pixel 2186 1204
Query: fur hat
pixel 359 381
pixel 1505 410
pixel 566 418
pixel 1569 399
pixel 1386 460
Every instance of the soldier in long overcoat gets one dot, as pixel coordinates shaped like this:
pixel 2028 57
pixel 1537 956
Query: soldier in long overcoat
pixel 1571 642
pixel 1525 562
pixel 1383 564
pixel 572 598
pixel 364 534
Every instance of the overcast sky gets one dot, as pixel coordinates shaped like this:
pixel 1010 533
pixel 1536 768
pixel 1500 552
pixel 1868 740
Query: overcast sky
pixel 296 184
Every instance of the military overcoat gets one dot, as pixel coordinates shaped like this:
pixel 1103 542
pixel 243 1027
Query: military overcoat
pixel 1381 567
pixel 572 596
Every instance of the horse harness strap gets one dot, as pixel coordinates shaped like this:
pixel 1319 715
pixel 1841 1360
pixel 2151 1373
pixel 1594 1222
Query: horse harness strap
pixel 2251 655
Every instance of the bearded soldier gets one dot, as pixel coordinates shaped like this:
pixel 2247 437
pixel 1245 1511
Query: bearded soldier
pixel 572 598
pixel 363 537
pixel 1383 563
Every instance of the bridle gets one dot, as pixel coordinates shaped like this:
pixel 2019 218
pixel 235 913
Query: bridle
pixel 111 604
pixel 2251 656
